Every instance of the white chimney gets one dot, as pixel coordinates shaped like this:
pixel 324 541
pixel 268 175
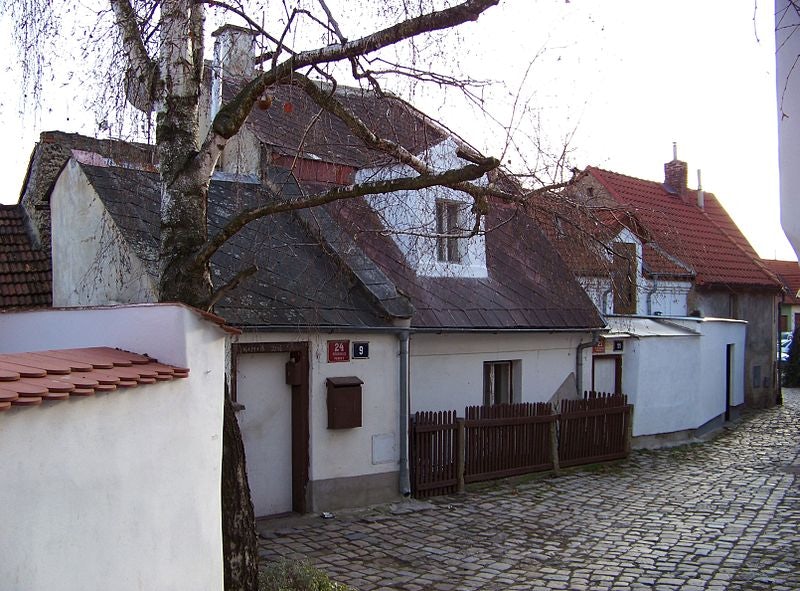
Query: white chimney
pixel 701 196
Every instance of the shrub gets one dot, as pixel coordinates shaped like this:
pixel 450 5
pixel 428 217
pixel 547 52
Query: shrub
pixel 293 575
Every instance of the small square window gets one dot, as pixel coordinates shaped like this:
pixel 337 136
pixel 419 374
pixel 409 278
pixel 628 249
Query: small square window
pixel 449 247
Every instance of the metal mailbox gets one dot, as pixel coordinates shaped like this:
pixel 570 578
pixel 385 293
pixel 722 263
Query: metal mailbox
pixel 344 402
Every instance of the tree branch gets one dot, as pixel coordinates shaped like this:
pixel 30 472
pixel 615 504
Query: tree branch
pixel 231 285
pixel 141 74
pixel 448 178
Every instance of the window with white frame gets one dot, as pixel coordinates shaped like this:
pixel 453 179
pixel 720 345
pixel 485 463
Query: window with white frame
pixel 500 383
pixel 449 247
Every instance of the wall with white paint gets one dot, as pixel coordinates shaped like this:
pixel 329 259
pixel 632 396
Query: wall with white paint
pixel 447 369
pixel 787 42
pixel 411 215
pixel 105 492
pixel 91 261
pixel 678 383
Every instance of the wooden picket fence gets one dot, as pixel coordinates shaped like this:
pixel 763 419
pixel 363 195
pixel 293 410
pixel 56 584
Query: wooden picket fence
pixel 595 429
pixel 491 442
pixel 507 440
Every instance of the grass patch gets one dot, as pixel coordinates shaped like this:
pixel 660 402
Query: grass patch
pixel 296 575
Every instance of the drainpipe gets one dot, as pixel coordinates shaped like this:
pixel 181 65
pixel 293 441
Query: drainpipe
pixel 650 295
pixel 579 361
pixel 405 479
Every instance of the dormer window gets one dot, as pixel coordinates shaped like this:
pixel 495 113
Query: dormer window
pixel 449 247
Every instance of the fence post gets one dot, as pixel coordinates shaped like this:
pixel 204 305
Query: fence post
pixel 460 455
pixel 628 429
pixel 554 444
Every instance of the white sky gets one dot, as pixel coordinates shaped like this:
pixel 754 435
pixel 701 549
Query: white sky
pixel 628 77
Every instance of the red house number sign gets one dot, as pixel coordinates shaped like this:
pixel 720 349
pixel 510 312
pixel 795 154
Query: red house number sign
pixel 338 351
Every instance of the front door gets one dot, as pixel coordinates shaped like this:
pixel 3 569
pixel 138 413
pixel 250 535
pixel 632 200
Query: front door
pixel 266 424
pixel 607 373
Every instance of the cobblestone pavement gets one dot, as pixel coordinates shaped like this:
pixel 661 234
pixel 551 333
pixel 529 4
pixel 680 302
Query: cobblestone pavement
pixel 719 515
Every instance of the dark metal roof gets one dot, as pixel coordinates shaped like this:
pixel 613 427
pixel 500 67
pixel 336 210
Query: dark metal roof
pixel 528 285
pixel 299 282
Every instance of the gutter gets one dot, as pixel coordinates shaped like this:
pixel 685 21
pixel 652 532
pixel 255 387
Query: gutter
pixel 394 330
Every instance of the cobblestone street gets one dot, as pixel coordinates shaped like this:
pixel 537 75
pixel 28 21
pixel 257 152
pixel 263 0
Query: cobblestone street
pixel 720 515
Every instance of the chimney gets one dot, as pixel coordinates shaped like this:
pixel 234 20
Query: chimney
pixel 676 174
pixel 234 51
pixel 701 196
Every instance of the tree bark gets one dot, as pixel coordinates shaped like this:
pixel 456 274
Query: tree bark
pixel 239 541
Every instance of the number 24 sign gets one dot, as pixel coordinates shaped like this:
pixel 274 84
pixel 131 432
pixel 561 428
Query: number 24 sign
pixel 338 351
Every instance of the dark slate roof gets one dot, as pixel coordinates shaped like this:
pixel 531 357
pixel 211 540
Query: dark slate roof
pixel 25 280
pixel 325 137
pixel 300 282
pixel 528 285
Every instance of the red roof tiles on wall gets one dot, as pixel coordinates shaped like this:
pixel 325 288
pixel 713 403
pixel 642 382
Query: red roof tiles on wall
pixel 26 379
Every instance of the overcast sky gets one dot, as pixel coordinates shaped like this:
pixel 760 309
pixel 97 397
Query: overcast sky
pixel 621 79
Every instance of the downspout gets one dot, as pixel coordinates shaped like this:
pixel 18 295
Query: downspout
pixel 405 480
pixel 650 295
pixel 579 361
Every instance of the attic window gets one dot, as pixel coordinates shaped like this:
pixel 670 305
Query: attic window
pixel 449 247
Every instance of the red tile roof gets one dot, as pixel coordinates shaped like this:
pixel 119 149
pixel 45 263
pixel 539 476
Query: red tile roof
pixel 789 273
pixel 26 379
pixel 705 239
pixel 24 269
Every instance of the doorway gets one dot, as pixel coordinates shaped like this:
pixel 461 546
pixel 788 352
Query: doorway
pixel 270 380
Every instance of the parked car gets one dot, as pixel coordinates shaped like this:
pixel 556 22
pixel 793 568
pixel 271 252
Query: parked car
pixel 784 352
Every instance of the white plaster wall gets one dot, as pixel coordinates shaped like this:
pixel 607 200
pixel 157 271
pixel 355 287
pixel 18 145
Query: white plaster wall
pixel 339 453
pixel 116 491
pixel 717 334
pixel 659 375
pixel 787 42
pixel 679 383
pixel 92 263
pixel 668 299
pixel 412 216
pixel 447 369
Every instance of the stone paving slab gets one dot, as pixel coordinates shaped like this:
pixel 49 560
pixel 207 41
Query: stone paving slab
pixel 714 516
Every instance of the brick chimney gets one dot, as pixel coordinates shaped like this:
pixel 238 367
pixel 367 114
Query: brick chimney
pixel 676 174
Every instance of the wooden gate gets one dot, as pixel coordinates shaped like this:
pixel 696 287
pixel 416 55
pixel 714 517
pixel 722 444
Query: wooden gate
pixel 433 453
pixel 595 429
pixel 507 440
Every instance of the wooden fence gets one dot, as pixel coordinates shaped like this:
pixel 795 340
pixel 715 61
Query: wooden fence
pixel 507 440
pixel 512 439
pixel 595 429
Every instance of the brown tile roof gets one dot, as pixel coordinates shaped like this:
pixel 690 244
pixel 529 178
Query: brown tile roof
pixel 26 379
pixel 25 280
pixel 789 274
pixel 706 240
pixel 294 125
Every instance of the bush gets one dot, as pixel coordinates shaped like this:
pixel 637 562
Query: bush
pixel 791 369
pixel 292 575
